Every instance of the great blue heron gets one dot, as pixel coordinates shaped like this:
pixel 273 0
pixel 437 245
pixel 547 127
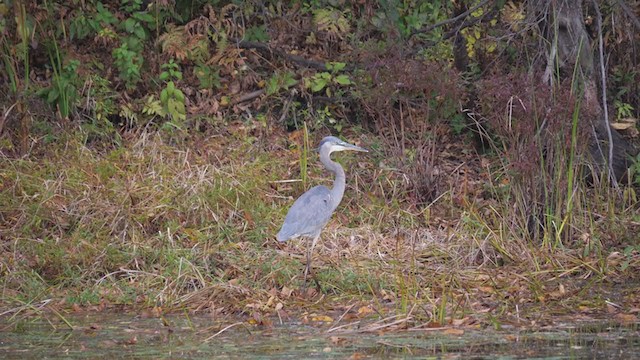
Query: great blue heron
pixel 311 211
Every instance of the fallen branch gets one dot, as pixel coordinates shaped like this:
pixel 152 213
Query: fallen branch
pixel 246 97
pixel 266 49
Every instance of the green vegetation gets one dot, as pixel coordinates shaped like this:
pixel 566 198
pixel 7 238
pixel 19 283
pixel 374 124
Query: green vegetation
pixel 322 80
pixel 172 99
pixel 149 151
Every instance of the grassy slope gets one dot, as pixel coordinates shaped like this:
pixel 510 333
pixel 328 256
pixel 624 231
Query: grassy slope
pixel 153 225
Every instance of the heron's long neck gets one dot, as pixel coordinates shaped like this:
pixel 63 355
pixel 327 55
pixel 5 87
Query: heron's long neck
pixel 339 183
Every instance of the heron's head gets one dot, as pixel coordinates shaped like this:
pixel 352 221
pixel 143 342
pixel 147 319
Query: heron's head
pixel 331 144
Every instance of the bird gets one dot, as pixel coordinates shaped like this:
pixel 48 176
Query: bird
pixel 312 210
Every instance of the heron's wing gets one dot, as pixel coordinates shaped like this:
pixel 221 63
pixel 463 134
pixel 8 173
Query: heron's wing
pixel 308 214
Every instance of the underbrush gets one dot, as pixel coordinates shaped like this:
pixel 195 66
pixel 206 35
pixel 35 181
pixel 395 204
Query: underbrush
pixel 153 225
pixel 148 218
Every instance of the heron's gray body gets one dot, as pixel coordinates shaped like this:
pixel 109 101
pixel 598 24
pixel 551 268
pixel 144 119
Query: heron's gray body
pixel 313 207
pixel 312 211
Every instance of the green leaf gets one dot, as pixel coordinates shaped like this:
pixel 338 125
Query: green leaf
pixel 318 84
pixel 129 25
pixel 139 32
pixel 289 81
pixel 104 15
pixel 171 106
pixel 179 95
pixel 52 96
pixel 144 16
pixel 272 85
pixel 171 87
pixel 164 96
pixel 337 66
pixel 180 109
pixel 257 33
pixel 343 80
pixel 153 107
pixel 164 76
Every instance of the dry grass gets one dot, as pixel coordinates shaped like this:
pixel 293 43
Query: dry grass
pixel 153 225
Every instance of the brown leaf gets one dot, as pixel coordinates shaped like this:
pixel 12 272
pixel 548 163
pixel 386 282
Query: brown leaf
pixel 321 318
pixel 460 322
pixel 270 302
pixel 132 341
pixel 621 125
pixel 626 318
pixel 336 340
pixel 364 311
pixel 311 292
pixel 452 331
pixel 286 292
pixel 234 88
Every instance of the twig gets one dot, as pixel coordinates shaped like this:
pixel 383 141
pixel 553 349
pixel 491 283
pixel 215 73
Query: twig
pixel 429 329
pixel 321 297
pixel 223 330
pixel 285 111
pixel 397 346
pixel 387 319
pixel 343 326
pixel 5 116
pixel 603 83
pixel 29 305
pixel 62 318
pixel 399 321
pixel 284 181
pixel 341 317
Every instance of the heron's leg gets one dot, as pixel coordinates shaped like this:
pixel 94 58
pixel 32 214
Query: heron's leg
pixel 308 267
pixel 307 270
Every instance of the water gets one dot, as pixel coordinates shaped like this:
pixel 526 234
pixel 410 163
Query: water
pixel 127 336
